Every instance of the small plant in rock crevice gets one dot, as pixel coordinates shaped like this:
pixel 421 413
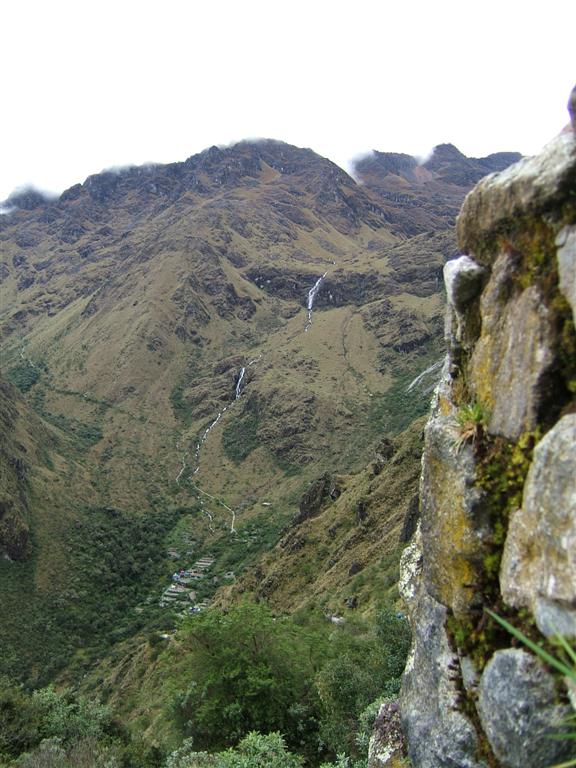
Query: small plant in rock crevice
pixel 471 425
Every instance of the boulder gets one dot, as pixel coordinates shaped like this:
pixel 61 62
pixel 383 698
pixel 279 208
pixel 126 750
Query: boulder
pixel 519 714
pixel 566 255
pixel 539 561
pixel 514 356
pixel 324 489
pixel 533 186
pixel 463 280
pixel 454 526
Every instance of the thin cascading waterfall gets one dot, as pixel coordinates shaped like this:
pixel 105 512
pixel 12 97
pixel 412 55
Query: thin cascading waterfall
pixel 239 382
pixel 421 376
pixel 239 388
pixel 238 391
pixel 205 436
pixel 182 469
pixel 312 293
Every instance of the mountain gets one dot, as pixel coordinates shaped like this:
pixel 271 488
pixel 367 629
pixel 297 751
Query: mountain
pixel 179 394
pixel 423 196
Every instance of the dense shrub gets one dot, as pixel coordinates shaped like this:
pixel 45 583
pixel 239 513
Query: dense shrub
pixel 249 671
pixel 254 751
pixel 361 668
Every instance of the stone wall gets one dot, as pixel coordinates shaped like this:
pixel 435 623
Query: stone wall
pixel 498 487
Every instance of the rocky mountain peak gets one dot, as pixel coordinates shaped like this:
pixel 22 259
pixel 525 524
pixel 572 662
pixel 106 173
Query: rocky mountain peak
pixel 26 199
pixel 444 153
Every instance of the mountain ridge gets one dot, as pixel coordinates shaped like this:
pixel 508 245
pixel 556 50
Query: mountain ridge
pixel 131 306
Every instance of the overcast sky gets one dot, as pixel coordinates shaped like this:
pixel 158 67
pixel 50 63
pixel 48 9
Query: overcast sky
pixel 91 84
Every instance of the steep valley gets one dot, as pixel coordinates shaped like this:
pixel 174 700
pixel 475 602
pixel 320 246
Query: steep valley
pixel 172 395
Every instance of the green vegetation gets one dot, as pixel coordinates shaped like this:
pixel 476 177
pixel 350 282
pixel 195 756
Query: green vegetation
pixel 240 437
pixel 501 473
pixel 23 376
pixel 181 407
pixel 84 435
pixel 50 729
pixel 250 671
pixel 471 420
pixel 117 559
pixel 226 673
pixel 362 667
pixel 254 751
pixel 182 410
pixel 394 411
pixel 229 677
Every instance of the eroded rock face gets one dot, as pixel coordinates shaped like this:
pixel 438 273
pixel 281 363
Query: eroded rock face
pixel 14 531
pixel 508 379
pixel 453 524
pixel 513 356
pixel 519 713
pixel 323 489
pixel 566 255
pixel 539 562
pixel 387 745
pixel 438 731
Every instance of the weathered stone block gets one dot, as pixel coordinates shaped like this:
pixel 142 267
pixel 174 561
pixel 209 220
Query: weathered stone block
pixel 518 709
pixel 387 745
pixel 463 279
pixel 454 526
pixel 513 357
pixel 566 255
pixel 539 561
pixel 532 186
pixel 438 732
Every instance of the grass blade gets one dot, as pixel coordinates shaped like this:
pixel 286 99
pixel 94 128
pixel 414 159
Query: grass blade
pixel 544 655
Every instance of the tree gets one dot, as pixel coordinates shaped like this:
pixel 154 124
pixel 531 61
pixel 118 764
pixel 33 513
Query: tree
pixel 254 751
pixel 19 720
pixel 249 671
pixel 362 668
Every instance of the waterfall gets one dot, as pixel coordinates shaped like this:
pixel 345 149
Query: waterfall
pixel 198 450
pixel 432 369
pixel 239 383
pixel 312 293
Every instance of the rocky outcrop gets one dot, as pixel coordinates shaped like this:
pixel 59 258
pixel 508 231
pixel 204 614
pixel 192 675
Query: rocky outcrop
pixel 518 710
pixel 325 488
pixel 14 531
pixel 498 485
pixel 539 562
pixel 387 744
